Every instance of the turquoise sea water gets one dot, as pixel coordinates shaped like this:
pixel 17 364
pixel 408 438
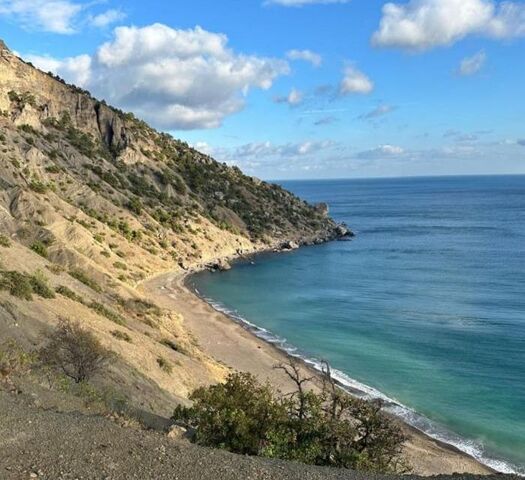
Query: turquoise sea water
pixel 426 306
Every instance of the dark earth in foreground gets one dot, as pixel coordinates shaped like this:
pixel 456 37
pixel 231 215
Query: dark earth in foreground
pixel 42 442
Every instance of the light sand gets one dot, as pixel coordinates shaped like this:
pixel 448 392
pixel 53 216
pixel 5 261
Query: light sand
pixel 231 344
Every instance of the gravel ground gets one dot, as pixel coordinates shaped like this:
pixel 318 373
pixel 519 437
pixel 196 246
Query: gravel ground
pixel 43 443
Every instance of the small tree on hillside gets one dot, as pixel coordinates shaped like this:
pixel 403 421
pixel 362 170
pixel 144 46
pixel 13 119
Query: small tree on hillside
pixel 74 351
pixel 327 428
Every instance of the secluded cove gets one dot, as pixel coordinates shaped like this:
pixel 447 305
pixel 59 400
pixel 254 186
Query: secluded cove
pixel 426 305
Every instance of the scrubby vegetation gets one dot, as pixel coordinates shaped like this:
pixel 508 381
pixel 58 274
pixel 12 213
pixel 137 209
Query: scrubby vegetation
pixel 40 248
pixel 40 286
pixel 74 352
pixel 14 359
pixel 5 241
pixel 164 365
pixel 83 277
pixel 327 428
pixel 67 292
pixel 106 312
pixel 120 335
pixel 174 346
pixel 23 286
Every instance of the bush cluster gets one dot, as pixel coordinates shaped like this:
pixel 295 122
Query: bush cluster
pixel 120 335
pixel 40 248
pixel 68 293
pixel 82 277
pixel 5 241
pixel 14 359
pixel 106 312
pixel 328 428
pixel 22 285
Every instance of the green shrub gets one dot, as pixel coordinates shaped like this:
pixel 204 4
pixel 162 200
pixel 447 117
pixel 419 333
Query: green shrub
pixel 53 169
pixel 38 186
pixel 18 284
pixel 98 238
pixel 120 335
pixel 142 307
pixel 23 286
pixel 14 359
pixel 164 365
pixel 173 346
pixel 120 265
pixel 53 155
pixel 27 129
pixel 81 141
pixel 21 99
pixel 5 241
pixel 239 415
pixel 106 312
pixel 86 280
pixel 68 293
pixel 135 205
pixel 40 286
pixel 328 428
pixel 40 248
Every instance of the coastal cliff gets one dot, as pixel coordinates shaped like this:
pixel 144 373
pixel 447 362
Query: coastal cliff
pixel 93 202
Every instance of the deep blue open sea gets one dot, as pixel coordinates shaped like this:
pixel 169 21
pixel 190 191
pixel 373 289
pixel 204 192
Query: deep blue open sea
pixel 425 307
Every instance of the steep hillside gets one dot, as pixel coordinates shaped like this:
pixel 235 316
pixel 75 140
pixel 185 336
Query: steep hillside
pixel 93 201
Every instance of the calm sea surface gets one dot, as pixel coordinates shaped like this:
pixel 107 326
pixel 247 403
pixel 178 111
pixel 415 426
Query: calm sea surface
pixel 425 307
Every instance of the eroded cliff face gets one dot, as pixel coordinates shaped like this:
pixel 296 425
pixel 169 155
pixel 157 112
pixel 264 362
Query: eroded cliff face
pixel 41 97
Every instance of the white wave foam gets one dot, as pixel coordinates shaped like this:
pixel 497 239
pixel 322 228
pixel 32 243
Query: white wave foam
pixel 356 388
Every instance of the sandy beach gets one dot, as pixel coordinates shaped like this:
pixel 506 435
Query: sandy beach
pixel 234 346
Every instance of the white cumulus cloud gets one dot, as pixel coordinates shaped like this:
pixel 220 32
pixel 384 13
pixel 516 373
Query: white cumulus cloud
pixel 56 16
pixel 76 70
pixel 355 81
pixel 472 65
pixel 107 18
pixel 175 79
pixel 424 24
pixel 306 55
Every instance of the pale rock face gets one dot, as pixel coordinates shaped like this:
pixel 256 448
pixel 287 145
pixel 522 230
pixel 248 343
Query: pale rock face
pixel 53 98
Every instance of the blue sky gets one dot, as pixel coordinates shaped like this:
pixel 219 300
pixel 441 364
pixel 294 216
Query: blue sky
pixel 301 88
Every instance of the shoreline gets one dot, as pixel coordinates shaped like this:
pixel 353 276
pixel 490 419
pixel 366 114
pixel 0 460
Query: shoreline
pixel 413 420
pixel 346 383
pixel 234 343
